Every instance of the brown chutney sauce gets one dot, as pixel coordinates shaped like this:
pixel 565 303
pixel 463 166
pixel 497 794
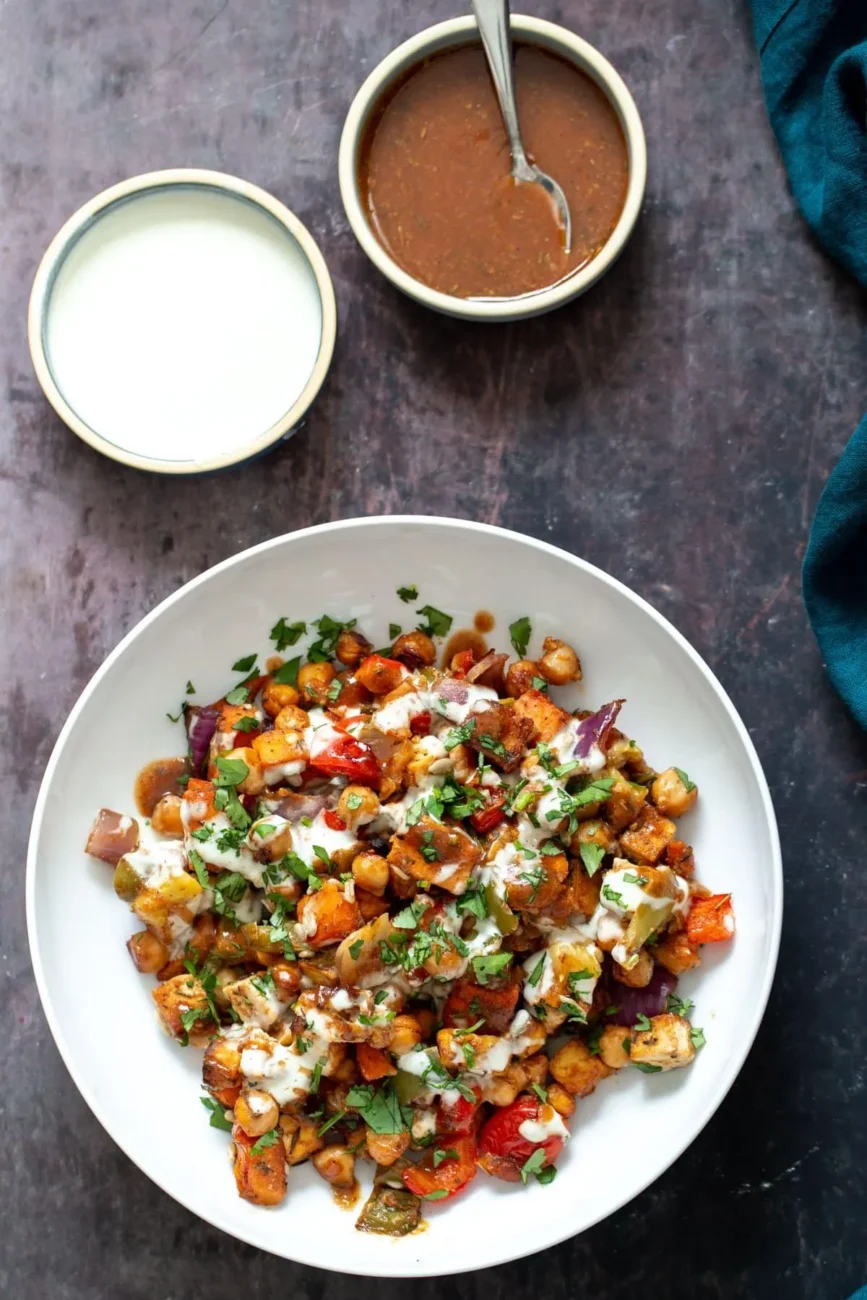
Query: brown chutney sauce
pixel 434 173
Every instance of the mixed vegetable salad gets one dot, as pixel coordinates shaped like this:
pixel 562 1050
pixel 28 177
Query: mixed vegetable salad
pixel 412 914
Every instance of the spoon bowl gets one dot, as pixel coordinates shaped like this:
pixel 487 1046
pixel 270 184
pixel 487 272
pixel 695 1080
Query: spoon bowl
pixel 492 17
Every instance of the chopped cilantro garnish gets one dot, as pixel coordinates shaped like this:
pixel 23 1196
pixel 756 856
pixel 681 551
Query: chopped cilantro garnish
pixel 394 631
pixel 217 1113
pixel 355 949
pixel 485 967
pixel 230 771
pixel 592 855
pixel 698 1038
pixel 329 630
pixel 520 632
pixel 536 973
pixel 460 734
pixel 190 689
pixel 287 674
pixel 534 1164
pixel 244 665
pixel 408 594
pixel 437 624
pixel 286 634
pixel 269 1139
pixel 688 785
pixel 647 1069
pixel 199 867
pixel 378 1107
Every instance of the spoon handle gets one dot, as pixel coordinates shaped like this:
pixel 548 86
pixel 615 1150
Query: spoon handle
pixel 492 17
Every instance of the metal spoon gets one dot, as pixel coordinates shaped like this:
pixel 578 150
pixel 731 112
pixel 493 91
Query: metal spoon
pixel 492 17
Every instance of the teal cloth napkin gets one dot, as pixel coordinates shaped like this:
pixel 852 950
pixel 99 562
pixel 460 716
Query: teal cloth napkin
pixel 814 70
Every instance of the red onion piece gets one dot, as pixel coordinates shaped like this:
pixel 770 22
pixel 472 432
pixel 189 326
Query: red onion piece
pixel 295 806
pixel 201 724
pixel 594 730
pixel 489 671
pixel 649 1001
pixel 453 691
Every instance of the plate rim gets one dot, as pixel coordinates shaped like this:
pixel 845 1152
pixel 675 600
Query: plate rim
pixel 504 1255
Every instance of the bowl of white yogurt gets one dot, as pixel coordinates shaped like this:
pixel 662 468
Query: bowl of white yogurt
pixel 182 321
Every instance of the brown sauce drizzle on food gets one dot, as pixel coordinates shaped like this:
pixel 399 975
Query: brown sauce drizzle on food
pixel 156 779
pixel 484 621
pixel 346 1197
pixel 466 638
pixel 434 173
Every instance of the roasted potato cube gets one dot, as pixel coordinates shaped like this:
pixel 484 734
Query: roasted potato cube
pixel 544 716
pixel 221 1066
pixel 577 1070
pixel 502 734
pixel 443 855
pixel 359 954
pixel 176 1001
pixel 637 976
pixel 260 1175
pixel 679 856
pixel 614 1046
pixel 647 837
pixel 327 916
pixel 666 1044
pixel 534 887
pixel 676 953
pixel 255 1000
pixel 386 1148
pixel 562 1101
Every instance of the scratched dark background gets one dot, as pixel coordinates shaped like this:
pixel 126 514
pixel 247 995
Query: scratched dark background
pixel 675 427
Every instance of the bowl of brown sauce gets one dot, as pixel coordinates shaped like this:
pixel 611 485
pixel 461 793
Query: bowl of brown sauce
pixel 425 170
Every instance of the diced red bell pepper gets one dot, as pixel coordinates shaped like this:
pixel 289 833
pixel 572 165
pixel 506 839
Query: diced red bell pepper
pixel 420 725
pixel 485 819
pixel 348 757
pixel 501 1135
pixel 334 821
pixel 449 1177
pixel 460 1116
pixel 710 920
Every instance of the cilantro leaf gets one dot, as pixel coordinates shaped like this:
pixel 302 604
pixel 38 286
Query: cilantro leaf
pixel 287 674
pixel 244 665
pixel 408 594
pixel 688 785
pixel 591 856
pixel 520 632
pixel 230 771
pixel 218 1114
pixel 269 1139
pixel 378 1107
pixel 533 1164
pixel 485 967
pixel 286 634
pixel 438 623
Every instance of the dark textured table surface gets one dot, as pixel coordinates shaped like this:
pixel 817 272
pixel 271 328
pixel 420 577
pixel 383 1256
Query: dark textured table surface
pixel 675 427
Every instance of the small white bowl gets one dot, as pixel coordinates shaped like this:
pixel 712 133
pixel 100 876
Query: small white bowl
pixel 182 321
pixel 145 1089
pixel 461 31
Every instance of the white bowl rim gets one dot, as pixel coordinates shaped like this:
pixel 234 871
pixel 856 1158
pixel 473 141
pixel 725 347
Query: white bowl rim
pixel 506 1251
pixel 431 40
pixel 136 186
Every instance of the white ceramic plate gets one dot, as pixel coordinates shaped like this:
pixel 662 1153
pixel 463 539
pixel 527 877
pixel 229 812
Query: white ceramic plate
pixel 145 1089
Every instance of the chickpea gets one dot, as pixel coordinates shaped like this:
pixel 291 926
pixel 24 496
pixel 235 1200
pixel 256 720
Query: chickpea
pixel 380 676
pixel 385 1148
pixel 166 816
pixel 314 681
pixel 594 831
pixel 224 976
pixel 148 952
pixel 519 677
pixel 357 806
pixel 414 650
pixel 256 1111
pixel 336 1164
pixel 346 1073
pixel 559 663
pixel 499 1091
pixel 406 1032
pixel 671 794
pixel 253 782
pixel 277 696
pixel 562 1101
pixel 352 647
pixel 287 979
pixel 639 976
pixel 370 905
